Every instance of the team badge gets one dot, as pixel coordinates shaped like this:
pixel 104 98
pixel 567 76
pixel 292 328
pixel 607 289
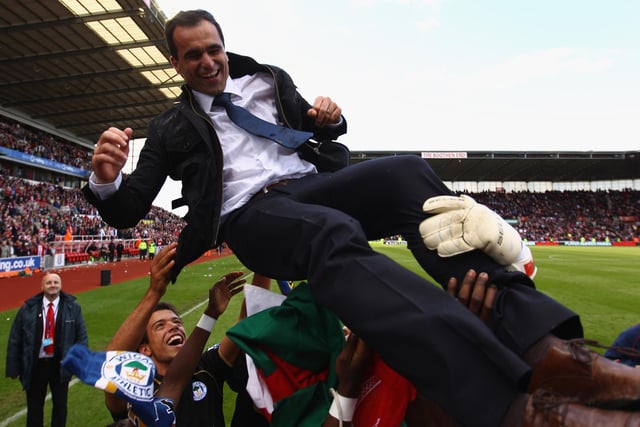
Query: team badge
pixel 199 390
pixel 132 373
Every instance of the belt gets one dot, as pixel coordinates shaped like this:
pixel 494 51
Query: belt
pixel 268 187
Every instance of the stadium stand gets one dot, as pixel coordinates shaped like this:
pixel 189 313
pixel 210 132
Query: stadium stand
pixel 48 211
pixel 35 142
pixel 43 212
pixel 587 216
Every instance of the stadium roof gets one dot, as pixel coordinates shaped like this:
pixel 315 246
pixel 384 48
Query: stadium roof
pixel 527 166
pixel 75 67
pixel 80 66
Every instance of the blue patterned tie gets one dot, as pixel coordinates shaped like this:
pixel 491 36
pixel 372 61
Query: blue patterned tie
pixel 284 136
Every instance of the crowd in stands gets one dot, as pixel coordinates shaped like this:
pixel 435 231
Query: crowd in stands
pixel 18 137
pixel 34 215
pixel 570 215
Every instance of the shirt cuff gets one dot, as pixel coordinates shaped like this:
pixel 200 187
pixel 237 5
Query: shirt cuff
pixel 104 191
pixel 335 125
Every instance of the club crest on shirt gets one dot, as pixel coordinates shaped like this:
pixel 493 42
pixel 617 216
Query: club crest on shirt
pixel 132 373
pixel 199 390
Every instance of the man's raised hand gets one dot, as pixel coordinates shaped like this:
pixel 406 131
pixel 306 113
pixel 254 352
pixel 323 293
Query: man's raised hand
pixel 221 292
pixel 110 154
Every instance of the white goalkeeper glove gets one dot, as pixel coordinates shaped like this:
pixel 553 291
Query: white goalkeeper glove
pixel 460 225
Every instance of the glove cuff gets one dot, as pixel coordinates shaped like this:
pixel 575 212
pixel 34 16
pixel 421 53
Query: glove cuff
pixel 524 263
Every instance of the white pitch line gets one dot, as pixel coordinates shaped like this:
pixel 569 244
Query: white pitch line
pixel 22 412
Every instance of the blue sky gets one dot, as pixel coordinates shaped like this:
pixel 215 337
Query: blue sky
pixel 455 74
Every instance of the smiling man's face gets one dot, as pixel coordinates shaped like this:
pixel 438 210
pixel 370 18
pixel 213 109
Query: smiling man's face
pixel 51 286
pixel 166 336
pixel 202 60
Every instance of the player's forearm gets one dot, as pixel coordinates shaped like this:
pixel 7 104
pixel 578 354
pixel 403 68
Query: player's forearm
pixel 183 365
pixel 130 333
pixel 114 404
pixel 229 351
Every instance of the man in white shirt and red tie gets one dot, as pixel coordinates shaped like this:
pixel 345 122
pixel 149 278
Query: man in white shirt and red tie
pixel 45 327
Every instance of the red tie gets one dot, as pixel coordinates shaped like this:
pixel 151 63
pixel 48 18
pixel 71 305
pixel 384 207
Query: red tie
pixel 49 328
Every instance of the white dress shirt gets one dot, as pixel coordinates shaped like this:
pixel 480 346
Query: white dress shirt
pixel 250 162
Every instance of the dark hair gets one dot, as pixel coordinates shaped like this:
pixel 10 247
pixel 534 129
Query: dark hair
pixel 159 306
pixel 189 18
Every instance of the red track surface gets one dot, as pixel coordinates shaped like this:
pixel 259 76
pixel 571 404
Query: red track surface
pixel 15 290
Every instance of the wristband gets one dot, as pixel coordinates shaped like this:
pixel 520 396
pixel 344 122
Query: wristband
pixel 206 322
pixel 342 408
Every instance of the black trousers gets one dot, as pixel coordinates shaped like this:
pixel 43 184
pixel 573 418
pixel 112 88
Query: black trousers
pixel 318 227
pixel 46 373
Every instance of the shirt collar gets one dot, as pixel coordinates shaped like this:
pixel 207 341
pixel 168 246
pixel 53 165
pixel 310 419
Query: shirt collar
pixel 205 100
pixel 45 303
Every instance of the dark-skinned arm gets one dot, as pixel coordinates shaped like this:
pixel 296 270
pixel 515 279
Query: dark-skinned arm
pixel 351 365
pixel 474 293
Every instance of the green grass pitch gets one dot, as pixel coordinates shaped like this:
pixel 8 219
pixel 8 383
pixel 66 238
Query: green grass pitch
pixel 601 283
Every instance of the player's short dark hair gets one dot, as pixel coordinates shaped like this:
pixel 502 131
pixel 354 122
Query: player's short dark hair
pixel 159 306
pixel 189 18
